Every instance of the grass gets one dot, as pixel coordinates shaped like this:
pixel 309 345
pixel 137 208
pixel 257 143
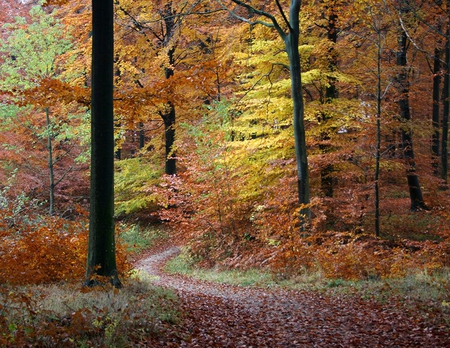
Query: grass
pixel 66 315
pixel 137 237
pixel 252 277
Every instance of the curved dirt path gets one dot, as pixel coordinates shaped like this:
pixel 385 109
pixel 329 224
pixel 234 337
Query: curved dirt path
pixel 218 315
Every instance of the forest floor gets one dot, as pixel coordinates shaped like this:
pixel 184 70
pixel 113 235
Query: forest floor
pixel 217 315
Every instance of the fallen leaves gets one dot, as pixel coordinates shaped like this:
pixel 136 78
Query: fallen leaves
pixel 227 316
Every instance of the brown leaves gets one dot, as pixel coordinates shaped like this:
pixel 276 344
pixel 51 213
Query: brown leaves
pixel 226 316
pixel 37 250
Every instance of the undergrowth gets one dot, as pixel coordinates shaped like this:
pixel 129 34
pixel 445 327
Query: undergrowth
pixel 137 237
pixel 65 315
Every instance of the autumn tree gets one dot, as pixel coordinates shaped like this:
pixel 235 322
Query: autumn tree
pixel 101 251
pixel 289 31
pixel 35 57
pixel 403 86
pixel 434 16
pixel 159 30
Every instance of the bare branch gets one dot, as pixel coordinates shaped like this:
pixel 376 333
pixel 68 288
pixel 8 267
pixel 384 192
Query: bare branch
pixel 273 21
pixel 280 8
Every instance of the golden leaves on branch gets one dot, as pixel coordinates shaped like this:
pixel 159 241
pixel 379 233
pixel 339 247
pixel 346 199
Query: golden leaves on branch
pixel 50 92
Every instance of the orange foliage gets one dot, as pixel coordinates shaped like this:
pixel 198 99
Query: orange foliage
pixel 52 91
pixel 43 249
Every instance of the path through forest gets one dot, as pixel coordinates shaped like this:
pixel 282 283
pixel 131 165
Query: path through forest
pixel 218 315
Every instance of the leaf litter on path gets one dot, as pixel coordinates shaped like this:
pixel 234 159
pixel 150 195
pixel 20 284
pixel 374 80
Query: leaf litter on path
pixel 217 315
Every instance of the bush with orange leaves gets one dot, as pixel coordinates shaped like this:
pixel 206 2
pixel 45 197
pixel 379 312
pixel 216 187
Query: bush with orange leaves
pixel 352 256
pixel 36 249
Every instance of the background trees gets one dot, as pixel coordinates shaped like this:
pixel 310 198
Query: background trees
pixel 228 80
pixel 36 53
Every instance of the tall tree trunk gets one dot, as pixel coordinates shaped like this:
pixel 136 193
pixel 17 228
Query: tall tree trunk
pixel 415 191
pixel 444 144
pixel 378 144
pixel 101 251
pixel 169 115
pixel 51 169
pixel 436 110
pixel 291 41
pixel 326 174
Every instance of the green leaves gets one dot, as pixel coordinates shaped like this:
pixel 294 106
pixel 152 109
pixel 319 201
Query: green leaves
pixel 32 51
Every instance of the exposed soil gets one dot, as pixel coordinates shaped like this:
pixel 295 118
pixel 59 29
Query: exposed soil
pixel 216 315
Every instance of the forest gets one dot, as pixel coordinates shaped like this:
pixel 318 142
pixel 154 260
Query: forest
pixel 302 139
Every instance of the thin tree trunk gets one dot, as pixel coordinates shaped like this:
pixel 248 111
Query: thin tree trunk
pixel 291 41
pixel 51 209
pixel 101 251
pixel 168 117
pixel 141 135
pixel 415 191
pixel 436 110
pixel 378 144
pixel 444 144
pixel 326 174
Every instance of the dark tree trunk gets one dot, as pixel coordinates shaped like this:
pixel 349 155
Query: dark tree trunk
pixel 51 167
pixel 326 174
pixel 168 116
pixel 378 144
pixel 444 144
pixel 101 251
pixel 141 135
pixel 169 136
pixel 415 190
pixel 436 110
pixel 291 42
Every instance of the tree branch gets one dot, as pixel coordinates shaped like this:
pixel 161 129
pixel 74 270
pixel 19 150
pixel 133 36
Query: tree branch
pixel 273 20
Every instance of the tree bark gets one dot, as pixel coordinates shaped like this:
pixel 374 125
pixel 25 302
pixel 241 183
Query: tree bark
pixel 51 208
pixel 101 251
pixel 444 143
pixel 169 136
pixel 378 144
pixel 169 114
pixel 326 174
pixel 291 41
pixel 436 110
pixel 415 191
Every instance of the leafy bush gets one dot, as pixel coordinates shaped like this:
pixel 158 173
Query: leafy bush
pixel 37 249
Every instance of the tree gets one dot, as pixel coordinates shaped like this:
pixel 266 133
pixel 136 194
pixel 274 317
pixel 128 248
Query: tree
pixel 435 15
pixel 290 35
pixel 157 29
pixel 403 87
pixel 101 251
pixel 35 53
